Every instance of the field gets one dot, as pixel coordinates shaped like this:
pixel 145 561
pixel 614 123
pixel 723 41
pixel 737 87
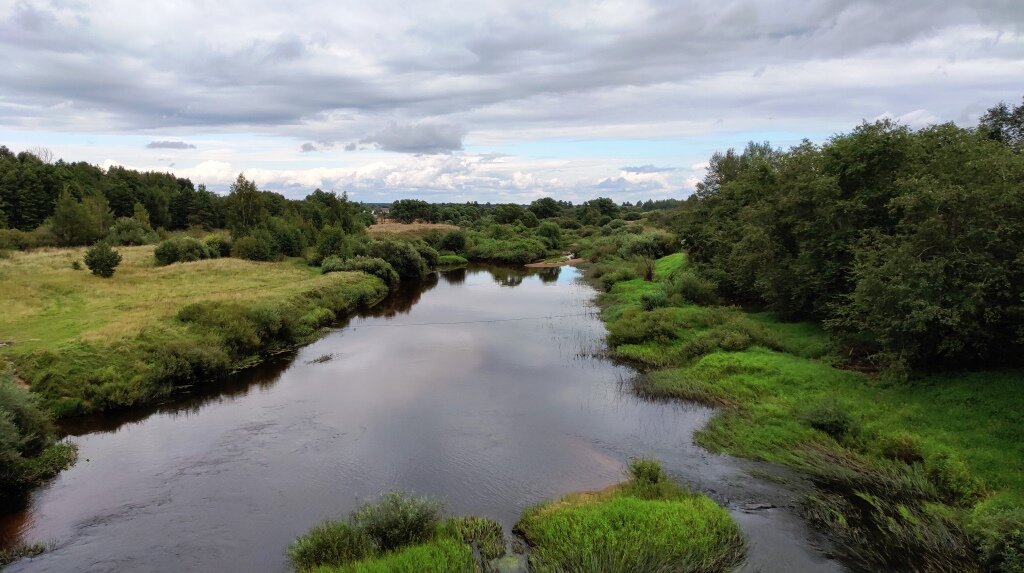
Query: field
pixel 70 333
pixel 409 230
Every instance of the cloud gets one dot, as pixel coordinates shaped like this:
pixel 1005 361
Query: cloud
pixel 648 169
pixel 167 144
pixel 318 146
pixel 423 137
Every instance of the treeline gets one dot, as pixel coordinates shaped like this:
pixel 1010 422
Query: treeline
pixel 594 212
pixel 908 245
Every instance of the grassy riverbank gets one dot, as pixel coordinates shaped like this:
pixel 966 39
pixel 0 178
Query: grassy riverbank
pixel 927 471
pixel 85 343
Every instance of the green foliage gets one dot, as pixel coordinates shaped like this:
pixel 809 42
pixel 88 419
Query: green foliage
pixel 451 261
pixel 428 253
pixel 440 556
pixel 903 242
pixel 484 535
pixel 218 246
pixel 102 260
pixel 290 240
pixel 397 520
pixel 28 452
pixel 260 245
pixel 401 255
pixel 515 251
pixel 646 525
pixel 453 241
pixel 183 250
pixel 373 266
pixel 332 242
pixel 550 233
pixel 331 543
pixel 411 210
pixel 246 208
pixel 832 418
pixel 73 222
pixel 130 231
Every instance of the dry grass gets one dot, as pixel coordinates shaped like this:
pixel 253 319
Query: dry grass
pixel 409 230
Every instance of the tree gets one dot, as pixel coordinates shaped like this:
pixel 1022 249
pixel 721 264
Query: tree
pixel 72 222
pixel 545 208
pixel 1004 124
pixel 245 207
pixel 102 260
pixel 507 213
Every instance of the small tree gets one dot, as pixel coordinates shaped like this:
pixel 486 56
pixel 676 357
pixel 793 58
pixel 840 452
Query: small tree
pixel 102 260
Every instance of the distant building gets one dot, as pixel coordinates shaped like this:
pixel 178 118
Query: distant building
pixel 382 213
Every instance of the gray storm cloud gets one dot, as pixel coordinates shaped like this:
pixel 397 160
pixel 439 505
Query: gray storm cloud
pixel 425 138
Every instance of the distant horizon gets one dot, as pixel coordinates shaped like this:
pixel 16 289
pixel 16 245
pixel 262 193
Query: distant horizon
pixel 487 101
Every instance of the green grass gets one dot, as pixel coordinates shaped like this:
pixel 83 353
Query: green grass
pixel 931 470
pixel 86 343
pixel 451 261
pixel 440 556
pixel 647 524
pixel 399 532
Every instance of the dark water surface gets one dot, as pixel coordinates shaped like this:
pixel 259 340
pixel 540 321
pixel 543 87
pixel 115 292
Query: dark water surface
pixel 459 390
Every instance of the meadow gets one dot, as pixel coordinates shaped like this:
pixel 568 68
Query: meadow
pixel 86 343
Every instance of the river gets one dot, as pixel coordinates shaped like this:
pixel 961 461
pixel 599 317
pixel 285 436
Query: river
pixel 485 388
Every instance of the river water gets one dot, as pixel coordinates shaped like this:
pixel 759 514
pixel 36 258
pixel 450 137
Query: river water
pixel 484 387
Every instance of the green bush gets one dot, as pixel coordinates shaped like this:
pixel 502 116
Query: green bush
pixel 653 300
pixel 218 246
pixel 550 233
pixel 398 520
pixel 428 253
pixel 686 285
pixel 439 556
pixel 130 231
pixel 453 241
pixel 258 246
pixel 181 250
pixel 102 260
pixel 402 257
pixel 331 543
pixel 332 242
pixel 290 240
pixel 831 418
pixel 28 452
pixel 373 266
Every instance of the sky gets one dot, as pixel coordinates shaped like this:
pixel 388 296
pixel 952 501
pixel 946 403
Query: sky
pixel 484 100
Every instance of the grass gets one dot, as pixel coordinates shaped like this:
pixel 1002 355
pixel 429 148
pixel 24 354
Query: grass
pixel 929 472
pixel 451 261
pixel 399 533
pixel 21 551
pixel 409 231
pixel 647 524
pixel 85 343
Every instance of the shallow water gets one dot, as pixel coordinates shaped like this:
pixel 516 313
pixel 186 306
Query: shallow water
pixel 484 388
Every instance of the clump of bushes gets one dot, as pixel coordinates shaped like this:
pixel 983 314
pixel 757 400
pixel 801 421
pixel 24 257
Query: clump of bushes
pixel 218 246
pixel 402 257
pixel 428 253
pixel 453 241
pixel 102 260
pixel 451 260
pixel 398 532
pixel 182 250
pixel 260 245
pixel 516 251
pixel 131 231
pixel 686 286
pixel 833 419
pixel 370 265
pixel 29 452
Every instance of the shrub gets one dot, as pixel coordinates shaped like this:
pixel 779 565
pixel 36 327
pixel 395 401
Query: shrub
pixel 131 231
pixel 218 246
pixel 832 418
pixel 686 285
pixel 507 251
pixel 372 266
pixel 332 241
pixel 454 241
pixel 398 520
pixel 653 300
pixel 180 250
pixel 330 543
pixel 406 261
pixel 76 265
pixel 289 238
pixel 102 260
pixel 258 246
pixel 904 447
pixel 550 233
pixel 953 478
pixel 428 253
pixel 646 471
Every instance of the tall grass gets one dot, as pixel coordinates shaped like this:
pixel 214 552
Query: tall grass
pixel 647 524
